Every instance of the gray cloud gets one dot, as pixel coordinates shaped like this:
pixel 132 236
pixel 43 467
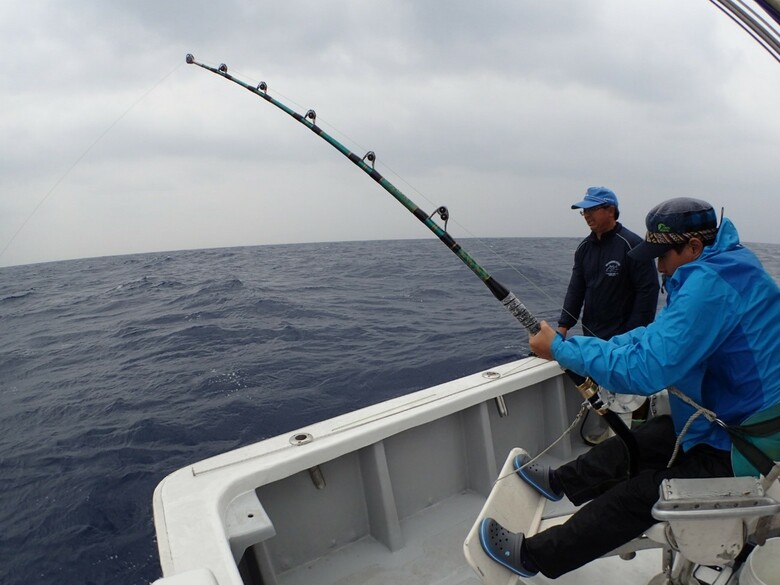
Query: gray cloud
pixel 503 110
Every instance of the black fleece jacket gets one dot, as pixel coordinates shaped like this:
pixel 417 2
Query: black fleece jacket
pixel 618 293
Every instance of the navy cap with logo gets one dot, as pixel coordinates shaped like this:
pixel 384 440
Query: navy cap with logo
pixel 675 222
pixel 596 196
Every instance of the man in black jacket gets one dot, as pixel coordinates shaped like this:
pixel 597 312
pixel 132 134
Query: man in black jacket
pixel 618 292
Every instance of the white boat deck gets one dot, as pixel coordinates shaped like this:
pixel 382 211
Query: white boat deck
pixel 436 540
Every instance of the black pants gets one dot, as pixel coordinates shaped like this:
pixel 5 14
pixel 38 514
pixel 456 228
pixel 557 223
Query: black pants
pixel 618 508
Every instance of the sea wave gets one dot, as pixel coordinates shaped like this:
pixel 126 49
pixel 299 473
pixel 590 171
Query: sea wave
pixel 117 371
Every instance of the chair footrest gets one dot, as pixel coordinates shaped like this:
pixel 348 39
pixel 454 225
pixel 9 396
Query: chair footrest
pixel 516 506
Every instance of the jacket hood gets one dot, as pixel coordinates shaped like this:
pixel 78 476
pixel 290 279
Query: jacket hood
pixel 727 239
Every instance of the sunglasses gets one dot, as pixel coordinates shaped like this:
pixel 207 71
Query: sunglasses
pixel 592 209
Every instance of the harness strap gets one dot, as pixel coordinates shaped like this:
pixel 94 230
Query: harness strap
pixel 753 454
pixel 760 429
pixel 738 433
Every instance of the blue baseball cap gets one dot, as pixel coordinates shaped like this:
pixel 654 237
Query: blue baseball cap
pixel 597 196
pixel 674 222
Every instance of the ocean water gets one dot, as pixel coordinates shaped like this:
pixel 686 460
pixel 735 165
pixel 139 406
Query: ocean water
pixel 117 371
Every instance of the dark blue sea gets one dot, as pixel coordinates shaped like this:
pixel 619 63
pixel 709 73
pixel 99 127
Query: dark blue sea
pixel 117 371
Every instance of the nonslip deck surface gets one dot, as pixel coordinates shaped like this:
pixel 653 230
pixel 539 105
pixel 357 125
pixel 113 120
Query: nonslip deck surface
pixel 433 555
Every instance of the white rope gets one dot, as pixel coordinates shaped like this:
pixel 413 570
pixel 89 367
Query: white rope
pixel 583 408
pixel 708 414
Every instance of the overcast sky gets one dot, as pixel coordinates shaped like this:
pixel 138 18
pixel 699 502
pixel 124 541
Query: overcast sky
pixel 503 110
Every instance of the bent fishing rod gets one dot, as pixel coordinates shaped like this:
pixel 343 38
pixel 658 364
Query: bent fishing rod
pixel 587 387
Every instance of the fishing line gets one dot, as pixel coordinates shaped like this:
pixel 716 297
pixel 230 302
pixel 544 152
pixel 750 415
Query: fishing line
pixel 84 154
pixel 385 165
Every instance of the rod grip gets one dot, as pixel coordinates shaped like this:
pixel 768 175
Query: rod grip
pixel 521 313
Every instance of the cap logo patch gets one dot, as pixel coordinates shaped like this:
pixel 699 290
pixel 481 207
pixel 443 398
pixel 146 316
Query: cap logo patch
pixel 663 228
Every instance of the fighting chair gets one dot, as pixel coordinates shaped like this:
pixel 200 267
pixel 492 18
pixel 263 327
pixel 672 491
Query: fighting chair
pixel 703 523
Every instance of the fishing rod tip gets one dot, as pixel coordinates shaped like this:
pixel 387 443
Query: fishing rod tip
pixel 190 59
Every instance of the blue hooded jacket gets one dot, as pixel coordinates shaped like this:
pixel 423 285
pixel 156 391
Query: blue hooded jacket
pixel 717 340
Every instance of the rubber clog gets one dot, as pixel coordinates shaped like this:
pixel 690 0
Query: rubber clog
pixel 503 546
pixel 537 475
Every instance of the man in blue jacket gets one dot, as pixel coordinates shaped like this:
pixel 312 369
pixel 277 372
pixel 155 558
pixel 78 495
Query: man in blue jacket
pixel 717 342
